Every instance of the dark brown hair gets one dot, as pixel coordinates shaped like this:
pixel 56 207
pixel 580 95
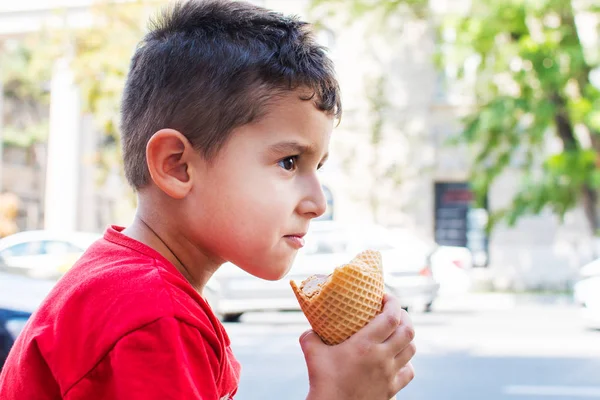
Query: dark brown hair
pixel 207 67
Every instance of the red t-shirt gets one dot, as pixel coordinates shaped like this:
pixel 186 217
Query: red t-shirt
pixel 123 323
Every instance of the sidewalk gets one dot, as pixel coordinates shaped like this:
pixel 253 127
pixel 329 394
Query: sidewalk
pixel 481 301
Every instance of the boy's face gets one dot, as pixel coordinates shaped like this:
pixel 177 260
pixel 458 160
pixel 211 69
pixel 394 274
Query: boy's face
pixel 254 202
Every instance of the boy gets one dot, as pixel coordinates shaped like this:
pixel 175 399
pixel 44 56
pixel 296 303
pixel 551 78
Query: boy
pixel 226 118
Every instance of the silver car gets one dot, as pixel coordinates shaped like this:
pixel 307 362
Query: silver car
pixel 43 253
pixel 407 272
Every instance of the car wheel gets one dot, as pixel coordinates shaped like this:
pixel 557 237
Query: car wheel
pixel 232 317
pixel 420 308
pixel 428 307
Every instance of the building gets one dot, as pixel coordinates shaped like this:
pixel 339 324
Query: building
pixel 389 159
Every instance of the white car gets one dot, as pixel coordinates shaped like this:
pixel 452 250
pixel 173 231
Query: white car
pixel 43 254
pixel 452 267
pixel 407 272
pixel 590 269
pixel 586 293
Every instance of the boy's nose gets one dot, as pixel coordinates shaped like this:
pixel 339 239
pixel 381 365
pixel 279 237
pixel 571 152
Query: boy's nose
pixel 314 204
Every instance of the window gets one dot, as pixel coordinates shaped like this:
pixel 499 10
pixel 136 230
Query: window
pixel 342 240
pixel 56 247
pixel 327 242
pixel 23 249
pixel 40 247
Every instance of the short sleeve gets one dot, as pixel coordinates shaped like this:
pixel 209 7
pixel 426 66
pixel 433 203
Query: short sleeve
pixel 166 359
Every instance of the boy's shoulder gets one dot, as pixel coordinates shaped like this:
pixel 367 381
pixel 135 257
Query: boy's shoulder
pixel 115 293
pixel 129 284
pixel 112 292
pixel 117 287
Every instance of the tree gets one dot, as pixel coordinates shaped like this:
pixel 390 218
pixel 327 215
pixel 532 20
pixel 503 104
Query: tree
pixel 531 82
pixel 99 55
pixel 25 115
pixel 389 175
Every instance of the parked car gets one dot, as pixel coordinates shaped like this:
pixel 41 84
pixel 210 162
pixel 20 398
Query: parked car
pixel 586 293
pixel 406 267
pixel 43 253
pixel 11 324
pixel 452 267
pixel 20 296
pixel 590 269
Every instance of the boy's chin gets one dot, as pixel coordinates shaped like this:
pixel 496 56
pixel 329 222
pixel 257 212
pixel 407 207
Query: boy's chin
pixel 272 273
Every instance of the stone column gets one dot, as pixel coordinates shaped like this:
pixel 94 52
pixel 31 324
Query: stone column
pixel 1 131
pixel 63 163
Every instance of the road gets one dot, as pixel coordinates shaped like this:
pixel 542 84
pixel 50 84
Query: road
pixel 493 351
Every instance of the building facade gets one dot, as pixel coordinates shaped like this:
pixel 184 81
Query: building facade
pixel 389 156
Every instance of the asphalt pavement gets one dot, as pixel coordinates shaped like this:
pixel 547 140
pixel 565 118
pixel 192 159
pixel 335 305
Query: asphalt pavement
pixel 481 347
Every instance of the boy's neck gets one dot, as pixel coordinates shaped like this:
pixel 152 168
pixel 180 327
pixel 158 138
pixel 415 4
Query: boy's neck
pixel 145 231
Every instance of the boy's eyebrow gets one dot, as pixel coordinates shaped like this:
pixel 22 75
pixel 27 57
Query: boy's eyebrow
pixel 291 147
pixel 294 147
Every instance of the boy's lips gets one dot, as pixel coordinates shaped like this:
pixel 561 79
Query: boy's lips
pixel 296 240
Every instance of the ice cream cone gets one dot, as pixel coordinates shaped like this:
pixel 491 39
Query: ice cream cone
pixel 345 301
pixel 339 305
pixel 372 258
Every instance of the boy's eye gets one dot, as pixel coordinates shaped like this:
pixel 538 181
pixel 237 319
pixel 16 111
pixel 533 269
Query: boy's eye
pixel 288 163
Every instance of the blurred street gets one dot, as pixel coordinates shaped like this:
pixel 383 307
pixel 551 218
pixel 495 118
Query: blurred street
pixel 493 348
pixel 468 155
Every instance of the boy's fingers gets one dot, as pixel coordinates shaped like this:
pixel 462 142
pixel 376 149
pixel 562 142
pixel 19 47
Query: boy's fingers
pixel 400 340
pixel 403 358
pixel 384 325
pixel 402 336
pixel 404 377
pixel 309 340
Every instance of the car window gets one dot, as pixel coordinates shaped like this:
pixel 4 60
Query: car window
pixel 372 240
pixel 341 240
pixel 326 242
pixel 408 240
pixel 58 247
pixel 23 249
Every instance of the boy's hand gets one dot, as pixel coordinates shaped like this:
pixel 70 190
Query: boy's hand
pixel 373 364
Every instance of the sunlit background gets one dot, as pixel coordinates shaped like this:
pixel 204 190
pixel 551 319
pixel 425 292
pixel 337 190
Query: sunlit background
pixel 467 153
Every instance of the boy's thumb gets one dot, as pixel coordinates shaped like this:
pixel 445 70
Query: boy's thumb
pixel 309 341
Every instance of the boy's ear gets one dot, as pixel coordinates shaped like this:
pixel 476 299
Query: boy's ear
pixel 168 155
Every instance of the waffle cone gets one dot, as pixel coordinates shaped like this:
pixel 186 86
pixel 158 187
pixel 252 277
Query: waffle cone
pixel 346 301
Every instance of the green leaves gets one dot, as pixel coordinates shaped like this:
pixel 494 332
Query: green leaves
pixel 530 78
pixel 99 56
pixel 558 187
